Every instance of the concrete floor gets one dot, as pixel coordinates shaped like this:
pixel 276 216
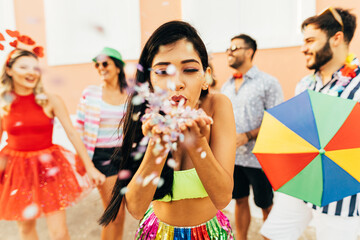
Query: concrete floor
pixel 82 224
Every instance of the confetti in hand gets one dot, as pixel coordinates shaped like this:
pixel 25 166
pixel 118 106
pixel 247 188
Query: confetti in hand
pixel 167 116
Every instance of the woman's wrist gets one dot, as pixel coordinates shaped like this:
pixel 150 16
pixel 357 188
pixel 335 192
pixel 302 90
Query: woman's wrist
pixel 249 136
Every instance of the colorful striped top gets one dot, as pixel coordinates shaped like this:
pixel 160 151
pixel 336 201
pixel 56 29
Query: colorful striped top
pixel 109 133
pixel 89 116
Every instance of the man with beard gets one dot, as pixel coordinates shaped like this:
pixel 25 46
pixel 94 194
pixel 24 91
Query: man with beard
pixel 251 92
pixel 326 48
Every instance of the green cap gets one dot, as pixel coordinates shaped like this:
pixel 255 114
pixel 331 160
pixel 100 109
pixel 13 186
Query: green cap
pixel 110 52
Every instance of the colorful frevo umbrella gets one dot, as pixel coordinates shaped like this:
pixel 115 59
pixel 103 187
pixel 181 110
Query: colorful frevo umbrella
pixel 309 147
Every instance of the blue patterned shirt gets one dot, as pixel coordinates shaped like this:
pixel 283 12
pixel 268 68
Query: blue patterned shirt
pixel 258 92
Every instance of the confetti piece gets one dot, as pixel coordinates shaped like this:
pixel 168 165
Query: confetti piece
pixel 9 97
pixel 102 58
pixel 171 85
pixel 160 182
pixel 99 29
pixel 52 171
pixel 144 141
pixel 41 96
pixel 136 116
pixel 140 67
pixel 30 211
pixel 17 124
pixel 13 192
pixel 171 163
pixel 105 163
pixel 124 190
pixel 158 160
pixel 171 69
pixel 148 179
pixel 138 156
pixel 189 47
pixel 124 174
pixel 137 100
pixel 174 146
pixel 57 80
pixel 45 158
pixel 156 180
pixel 139 180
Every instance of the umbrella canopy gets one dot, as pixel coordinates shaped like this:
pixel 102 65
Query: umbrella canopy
pixel 309 147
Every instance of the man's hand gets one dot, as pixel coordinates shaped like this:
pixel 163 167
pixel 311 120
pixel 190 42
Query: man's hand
pixel 241 139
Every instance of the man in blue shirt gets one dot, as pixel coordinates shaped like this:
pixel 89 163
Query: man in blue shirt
pixel 251 91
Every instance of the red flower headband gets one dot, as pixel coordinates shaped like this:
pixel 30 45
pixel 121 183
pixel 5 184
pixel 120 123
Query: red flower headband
pixel 37 50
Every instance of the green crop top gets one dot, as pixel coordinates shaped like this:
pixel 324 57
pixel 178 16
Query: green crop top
pixel 186 185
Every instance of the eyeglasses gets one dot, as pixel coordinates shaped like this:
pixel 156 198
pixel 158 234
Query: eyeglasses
pixel 335 15
pixel 233 48
pixel 104 64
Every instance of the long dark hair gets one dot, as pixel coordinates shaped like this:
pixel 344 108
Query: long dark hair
pixel 167 33
pixel 121 76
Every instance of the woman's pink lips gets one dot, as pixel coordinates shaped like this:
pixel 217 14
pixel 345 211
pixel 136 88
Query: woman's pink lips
pixel 177 98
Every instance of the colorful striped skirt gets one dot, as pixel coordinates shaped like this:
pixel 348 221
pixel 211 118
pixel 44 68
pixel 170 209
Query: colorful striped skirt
pixel 152 228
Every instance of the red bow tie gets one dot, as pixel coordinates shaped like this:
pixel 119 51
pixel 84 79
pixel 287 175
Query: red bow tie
pixel 237 75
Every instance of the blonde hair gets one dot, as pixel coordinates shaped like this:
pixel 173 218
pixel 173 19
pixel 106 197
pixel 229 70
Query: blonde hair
pixel 7 86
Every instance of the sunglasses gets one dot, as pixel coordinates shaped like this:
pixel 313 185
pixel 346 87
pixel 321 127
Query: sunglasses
pixel 335 15
pixel 233 48
pixel 104 64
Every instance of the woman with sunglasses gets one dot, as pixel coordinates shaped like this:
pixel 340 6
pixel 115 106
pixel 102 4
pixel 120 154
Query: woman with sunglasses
pixel 196 175
pixel 37 178
pixel 99 113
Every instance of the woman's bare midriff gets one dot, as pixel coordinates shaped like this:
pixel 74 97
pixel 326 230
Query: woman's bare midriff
pixel 185 213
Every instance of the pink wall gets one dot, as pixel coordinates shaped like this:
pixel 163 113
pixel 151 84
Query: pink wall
pixel 287 64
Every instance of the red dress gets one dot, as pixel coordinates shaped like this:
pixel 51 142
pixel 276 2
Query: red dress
pixel 38 177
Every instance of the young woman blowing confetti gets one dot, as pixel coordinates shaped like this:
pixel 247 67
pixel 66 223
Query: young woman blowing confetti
pixel 183 166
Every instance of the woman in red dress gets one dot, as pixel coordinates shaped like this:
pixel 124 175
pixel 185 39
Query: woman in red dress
pixel 37 177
